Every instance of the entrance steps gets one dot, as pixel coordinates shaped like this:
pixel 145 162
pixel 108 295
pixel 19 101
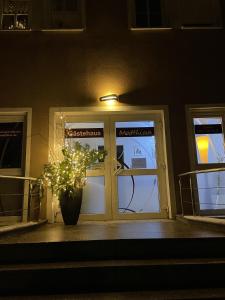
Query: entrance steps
pixel 111 275
pixel 112 265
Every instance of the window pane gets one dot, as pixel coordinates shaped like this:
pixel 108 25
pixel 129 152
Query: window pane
pixel 93 201
pixel 57 5
pixel 211 190
pixel 71 5
pixel 8 22
pixel 138 194
pixel 22 22
pixel 209 138
pixel 155 13
pixel 11 143
pixel 64 14
pixel 148 13
pixel 136 143
pixel 141 6
pixel 86 133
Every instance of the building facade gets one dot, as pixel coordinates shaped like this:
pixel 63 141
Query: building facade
pixel 164 60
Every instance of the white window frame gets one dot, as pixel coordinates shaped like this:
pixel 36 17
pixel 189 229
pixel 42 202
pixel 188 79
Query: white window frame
pixel 198 111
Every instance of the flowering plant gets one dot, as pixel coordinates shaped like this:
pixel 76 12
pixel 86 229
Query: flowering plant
pixel 70 172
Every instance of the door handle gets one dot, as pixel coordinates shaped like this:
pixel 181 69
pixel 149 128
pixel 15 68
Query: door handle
pixel 116 169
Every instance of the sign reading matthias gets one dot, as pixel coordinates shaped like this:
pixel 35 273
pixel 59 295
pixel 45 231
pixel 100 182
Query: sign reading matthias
pixel 84 133
pixel 208 129
pixel 134 131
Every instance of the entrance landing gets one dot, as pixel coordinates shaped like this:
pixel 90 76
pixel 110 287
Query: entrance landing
pixel 121 230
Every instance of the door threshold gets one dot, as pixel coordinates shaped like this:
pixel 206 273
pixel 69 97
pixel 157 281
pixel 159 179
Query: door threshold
pixel 124 221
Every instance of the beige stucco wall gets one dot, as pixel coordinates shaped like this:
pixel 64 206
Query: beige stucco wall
pixel 168 67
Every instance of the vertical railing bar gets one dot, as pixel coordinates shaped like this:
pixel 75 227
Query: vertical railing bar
pixel 192 196
pixel 181 196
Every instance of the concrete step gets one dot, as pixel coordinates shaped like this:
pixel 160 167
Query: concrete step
pixel 111 275
pixel 112 250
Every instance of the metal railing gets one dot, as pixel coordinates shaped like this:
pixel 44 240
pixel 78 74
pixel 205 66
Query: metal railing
pixel 20 198
pixel 191 189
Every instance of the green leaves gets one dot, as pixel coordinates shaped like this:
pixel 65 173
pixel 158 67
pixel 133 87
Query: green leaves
pixel 70 172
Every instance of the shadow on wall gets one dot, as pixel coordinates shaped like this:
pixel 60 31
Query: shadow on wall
pixel 145 96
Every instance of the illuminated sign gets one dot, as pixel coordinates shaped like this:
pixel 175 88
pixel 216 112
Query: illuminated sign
pixel 84 133
pixel 135 131
pixel 208 129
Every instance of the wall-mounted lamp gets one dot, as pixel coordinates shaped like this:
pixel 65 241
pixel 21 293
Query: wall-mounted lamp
pixel 112 97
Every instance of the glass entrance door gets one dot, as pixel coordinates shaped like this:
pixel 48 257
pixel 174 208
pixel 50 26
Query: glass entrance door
pixel 137 167
pixel 129 183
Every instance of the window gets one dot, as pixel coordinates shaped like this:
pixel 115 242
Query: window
pixel 64 5
pixel 13 133
pixel 201 13
pixel 147 13
pixel 64 14
pixel 47 14
pixel 206 136
pixel 176 13
pixel 15 15
pixel 11 144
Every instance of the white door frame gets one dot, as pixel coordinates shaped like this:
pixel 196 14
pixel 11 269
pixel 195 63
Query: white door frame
pixel 89 113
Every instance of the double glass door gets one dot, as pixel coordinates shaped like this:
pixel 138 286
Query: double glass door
pixel 130 182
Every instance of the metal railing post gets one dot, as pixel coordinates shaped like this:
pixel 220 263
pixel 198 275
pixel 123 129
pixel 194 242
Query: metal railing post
pixel 181 196
pixel 192 196
pixel 27 194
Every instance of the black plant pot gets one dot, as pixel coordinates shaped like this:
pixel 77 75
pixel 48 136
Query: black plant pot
pixel 70 203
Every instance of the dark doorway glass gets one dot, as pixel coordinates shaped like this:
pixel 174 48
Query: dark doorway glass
pixel 11 145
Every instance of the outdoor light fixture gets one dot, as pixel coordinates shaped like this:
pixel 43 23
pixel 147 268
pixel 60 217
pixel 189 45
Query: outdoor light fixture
pixel 112 97
pixel 203 147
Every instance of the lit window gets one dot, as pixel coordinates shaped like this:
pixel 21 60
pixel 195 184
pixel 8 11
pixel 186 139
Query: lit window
pixel 209 139
pixel 16 15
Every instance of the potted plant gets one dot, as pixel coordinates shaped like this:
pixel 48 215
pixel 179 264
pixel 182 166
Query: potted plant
pixel 67 177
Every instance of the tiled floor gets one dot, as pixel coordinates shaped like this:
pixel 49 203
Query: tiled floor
pixel 156 229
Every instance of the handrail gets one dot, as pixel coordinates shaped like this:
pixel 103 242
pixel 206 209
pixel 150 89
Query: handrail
pixel 31 198
pixel 201 171
pixel 195 172
pixel 18 177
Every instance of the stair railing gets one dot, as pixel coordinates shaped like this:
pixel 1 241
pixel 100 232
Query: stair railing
pixel 29 194
pixel 191 189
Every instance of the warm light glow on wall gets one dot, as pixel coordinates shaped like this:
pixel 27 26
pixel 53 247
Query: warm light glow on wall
pixel 203 148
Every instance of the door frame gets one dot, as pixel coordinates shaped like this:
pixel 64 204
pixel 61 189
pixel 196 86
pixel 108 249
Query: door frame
pixel 60 112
